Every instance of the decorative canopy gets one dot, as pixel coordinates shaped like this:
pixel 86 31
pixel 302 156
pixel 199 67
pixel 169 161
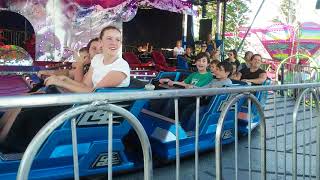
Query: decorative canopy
pixel 282 40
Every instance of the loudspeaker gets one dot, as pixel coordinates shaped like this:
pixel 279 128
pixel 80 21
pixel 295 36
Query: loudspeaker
pixel 205 29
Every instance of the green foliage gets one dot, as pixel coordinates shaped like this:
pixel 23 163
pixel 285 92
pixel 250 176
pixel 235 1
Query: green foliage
pixel 288 12
pixel 236 17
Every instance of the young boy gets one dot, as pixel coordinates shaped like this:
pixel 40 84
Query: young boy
pixel 223 72
pixel 199 78
pixel 213 67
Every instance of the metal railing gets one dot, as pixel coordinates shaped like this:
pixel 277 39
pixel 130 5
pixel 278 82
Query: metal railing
pixel 266 130
pixel 301 98
pixel 219 131
pixel 43 134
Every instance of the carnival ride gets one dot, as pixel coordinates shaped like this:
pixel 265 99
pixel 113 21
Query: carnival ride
pixel 54 160
pixel 294 47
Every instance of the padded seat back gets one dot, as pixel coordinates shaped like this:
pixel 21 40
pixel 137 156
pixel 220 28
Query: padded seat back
pixel 131 58
pixel 182 63
pixel 159 58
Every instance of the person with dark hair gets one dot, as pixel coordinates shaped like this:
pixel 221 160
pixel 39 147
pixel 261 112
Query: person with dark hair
pixel 222 73
pixel 233 57
pixel 82 64
pixel 235 75
pixel 211 45
pixel 107 69
pixel 190 58
pixel 254 75
pixel 204 48
pixel 94 47
pixel 18 126
pixel 189 55
pixel 246 64
pixel 213 67
pixel 199 78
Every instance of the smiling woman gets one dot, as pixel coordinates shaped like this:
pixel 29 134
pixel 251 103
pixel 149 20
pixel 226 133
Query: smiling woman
pixel 107 70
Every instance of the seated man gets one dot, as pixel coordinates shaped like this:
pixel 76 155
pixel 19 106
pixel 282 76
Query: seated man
pixel 254 74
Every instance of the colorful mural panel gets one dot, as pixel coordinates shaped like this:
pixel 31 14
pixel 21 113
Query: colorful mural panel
pixel 282 41
pixel 63 26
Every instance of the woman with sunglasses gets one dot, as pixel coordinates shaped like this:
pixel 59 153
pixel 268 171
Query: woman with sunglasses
pixel 233 57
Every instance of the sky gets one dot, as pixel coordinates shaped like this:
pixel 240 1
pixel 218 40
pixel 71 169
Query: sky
pixel 305 12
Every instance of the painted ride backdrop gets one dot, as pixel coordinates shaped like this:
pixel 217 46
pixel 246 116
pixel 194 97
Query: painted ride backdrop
pixel 62 26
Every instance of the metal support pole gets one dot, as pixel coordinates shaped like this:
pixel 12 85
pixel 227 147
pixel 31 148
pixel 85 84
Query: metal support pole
pixel 218 20
pixel 25 30
pixel 255 16
pixel 282 77
pixel 218 24
pixel 223 29
pixel 185 30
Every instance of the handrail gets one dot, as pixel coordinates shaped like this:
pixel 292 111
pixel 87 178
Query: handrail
pixel 64 99
pixel 230 103
pixel 294 131
pixel 43 134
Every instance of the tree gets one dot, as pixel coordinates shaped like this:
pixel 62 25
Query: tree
pixel 236 17
pixel 288 12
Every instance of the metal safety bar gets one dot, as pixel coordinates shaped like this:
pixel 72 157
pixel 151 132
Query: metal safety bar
pixel 82 98
pixel 218 146
pixel 50 100
pixel 176 115
pixel 43 134
pixel 301 97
